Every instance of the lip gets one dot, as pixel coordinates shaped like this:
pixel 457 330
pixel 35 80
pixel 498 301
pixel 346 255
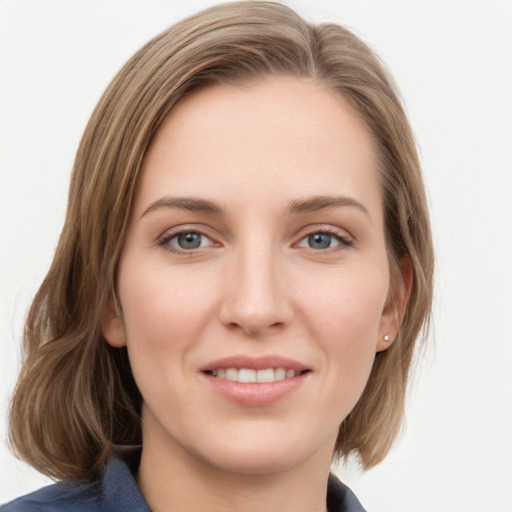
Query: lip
pixel 255 394
pixel 254 363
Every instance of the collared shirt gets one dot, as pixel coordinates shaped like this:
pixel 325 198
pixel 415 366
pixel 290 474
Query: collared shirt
pixel 118 492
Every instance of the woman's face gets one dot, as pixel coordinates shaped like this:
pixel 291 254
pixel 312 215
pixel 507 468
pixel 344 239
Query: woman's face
pixel 255 252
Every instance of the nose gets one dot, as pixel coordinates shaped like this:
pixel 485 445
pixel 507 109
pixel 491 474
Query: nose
pixel 256 297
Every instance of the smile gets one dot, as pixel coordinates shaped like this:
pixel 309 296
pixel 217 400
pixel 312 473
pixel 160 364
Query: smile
pixel 249 375
pixel 255 381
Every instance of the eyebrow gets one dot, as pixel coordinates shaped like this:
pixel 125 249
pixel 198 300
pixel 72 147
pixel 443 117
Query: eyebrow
pixel 316 203
pixel 296 207
pixel 185 203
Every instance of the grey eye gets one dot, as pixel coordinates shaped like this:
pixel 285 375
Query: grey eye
pixel 189 241
pixel 321 240
pixel 185 241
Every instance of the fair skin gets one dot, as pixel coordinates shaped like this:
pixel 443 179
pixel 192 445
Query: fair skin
pixel 257 235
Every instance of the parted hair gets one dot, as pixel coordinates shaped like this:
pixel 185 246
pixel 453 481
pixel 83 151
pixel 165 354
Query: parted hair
pixel 76 401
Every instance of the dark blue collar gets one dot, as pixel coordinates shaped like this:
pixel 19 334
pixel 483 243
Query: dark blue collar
pixel 118 492
pixel 119 487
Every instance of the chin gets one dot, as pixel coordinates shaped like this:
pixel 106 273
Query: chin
pixel 252 462
pixel 268 453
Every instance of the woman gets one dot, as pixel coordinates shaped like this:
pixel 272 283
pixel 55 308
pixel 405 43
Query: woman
pixel 245 266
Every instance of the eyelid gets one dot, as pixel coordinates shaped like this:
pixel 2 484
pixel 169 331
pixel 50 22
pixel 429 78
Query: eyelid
pixel 169 234
pixel 345 238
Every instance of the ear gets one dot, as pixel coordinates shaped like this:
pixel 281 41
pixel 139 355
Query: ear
pixel 396 304
pixel 112 325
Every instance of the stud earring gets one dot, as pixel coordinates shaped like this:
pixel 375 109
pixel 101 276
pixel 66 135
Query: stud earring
pixel 386 337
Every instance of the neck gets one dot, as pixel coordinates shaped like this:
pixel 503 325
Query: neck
pixel 170 478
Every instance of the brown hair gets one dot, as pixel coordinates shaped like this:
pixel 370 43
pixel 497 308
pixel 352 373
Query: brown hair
pixel 76 401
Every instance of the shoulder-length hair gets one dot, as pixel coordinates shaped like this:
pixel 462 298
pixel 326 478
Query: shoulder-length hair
pixel 76 401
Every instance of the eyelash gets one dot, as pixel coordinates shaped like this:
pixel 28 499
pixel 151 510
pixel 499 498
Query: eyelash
pixel 165 240
pixel 344 240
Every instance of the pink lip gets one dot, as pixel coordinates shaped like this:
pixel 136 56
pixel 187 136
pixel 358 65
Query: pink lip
pixel 256 393
pixel 254 363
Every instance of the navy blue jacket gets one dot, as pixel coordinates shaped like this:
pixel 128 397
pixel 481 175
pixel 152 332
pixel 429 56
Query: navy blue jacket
pixel 118 492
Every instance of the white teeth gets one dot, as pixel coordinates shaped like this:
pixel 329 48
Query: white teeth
pixel 232 374
pixel 265 375
pixel 247 375
pixel 280 374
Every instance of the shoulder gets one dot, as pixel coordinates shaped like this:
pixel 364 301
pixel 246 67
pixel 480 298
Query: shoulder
pixel 340 498
pixel 57 497
pixel 117 492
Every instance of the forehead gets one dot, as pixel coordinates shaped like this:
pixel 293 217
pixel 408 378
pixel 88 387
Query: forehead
pixel 279 134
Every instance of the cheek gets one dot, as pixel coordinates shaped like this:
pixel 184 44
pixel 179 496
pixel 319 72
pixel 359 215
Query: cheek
pixel 344 320
pixel 164 315
pixel 347 307
pixel 164 311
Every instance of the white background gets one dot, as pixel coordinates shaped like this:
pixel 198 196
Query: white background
pixel 452 61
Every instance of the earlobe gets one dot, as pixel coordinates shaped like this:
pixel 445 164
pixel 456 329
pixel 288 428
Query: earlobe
pixel 112 325
pixel 384 342
pixel 396 305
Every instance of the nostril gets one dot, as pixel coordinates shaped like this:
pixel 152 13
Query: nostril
pixel 256 328
pixel 255 307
